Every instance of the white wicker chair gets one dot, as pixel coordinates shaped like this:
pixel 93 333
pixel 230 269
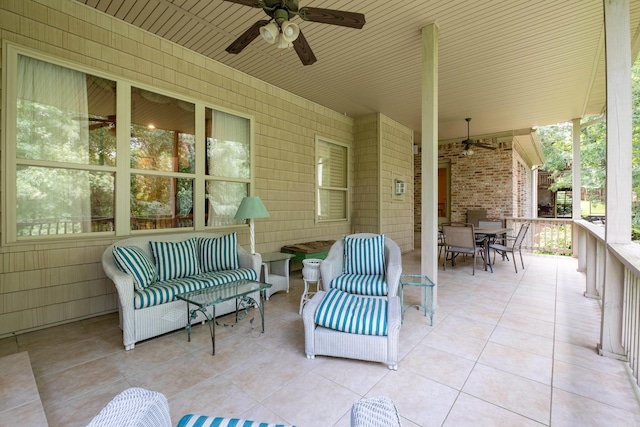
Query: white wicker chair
pixel 320 340
pixel 375 412
pixel 134 407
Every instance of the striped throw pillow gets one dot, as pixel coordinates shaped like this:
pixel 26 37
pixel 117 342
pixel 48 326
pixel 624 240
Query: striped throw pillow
pixel 175 259
pixel 354 314
pixel 361 284
pixel 218 253
pixel 132 260
pixel 364 256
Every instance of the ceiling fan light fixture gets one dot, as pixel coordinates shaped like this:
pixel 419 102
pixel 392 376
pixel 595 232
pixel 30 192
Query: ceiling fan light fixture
pixel 290 31
pixel 283 43
pixel 270 32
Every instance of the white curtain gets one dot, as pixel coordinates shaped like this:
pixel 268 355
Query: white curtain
pixel 52 126
pixel 228 156
pixel 62 93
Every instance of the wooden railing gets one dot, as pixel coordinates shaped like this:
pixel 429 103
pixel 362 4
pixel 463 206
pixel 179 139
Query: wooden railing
pixel 545 235
pixel 620 282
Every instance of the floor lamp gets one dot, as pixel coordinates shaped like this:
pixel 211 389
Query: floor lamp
pixel 250 208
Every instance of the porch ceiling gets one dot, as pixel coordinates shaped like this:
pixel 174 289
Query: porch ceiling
pixel 508 64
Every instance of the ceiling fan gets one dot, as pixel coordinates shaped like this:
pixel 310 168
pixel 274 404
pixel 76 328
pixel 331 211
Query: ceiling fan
pixel 469 142
pixel 279 29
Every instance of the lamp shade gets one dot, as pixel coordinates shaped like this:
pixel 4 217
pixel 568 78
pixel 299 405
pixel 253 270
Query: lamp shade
pixel 290 31
pixel 270 32
pixel 251 207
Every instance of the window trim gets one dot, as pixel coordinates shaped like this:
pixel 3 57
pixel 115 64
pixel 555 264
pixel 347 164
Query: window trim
pixel 122 169
pixel 317 187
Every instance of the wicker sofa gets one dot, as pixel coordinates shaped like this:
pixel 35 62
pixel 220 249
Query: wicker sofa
pixel 152 310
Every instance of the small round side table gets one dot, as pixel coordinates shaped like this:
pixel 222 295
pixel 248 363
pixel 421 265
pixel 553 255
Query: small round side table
pixel 310 274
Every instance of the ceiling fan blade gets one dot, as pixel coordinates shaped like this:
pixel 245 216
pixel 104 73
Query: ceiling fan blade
pixel 246 37
pixel 303 50
pixel 333 17
pixel 250 3
pixel 488 147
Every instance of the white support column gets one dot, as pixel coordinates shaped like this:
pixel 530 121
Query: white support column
pixel 619 155
pixel 576 185
pixel 429 234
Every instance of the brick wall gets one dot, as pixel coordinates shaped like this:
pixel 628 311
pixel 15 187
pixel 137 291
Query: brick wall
pixel 495 180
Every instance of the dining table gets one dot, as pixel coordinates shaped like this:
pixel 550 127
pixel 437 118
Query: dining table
pixel 489 234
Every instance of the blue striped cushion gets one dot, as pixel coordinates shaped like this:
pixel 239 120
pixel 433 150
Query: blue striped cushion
pixel 218 253
pixel 361 284
pixel 364 256
pixel 166 291
pixel 191 420
pixel 175 259
pixel 134 261
pixel 354 314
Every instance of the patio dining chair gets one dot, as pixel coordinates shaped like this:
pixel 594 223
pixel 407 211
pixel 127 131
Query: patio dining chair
pixel 492 223
pixel 460 240
pixel 512 245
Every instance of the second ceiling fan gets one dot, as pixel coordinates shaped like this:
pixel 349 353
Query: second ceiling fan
pixel 279 29
pixel 470 142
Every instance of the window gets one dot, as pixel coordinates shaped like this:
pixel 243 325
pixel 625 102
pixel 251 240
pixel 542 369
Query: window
pixel 162 161
pixel 228 169
pixel 332 181
pixel 72 150
pixel 64 150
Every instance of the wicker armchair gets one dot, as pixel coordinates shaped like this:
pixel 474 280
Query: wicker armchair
pixel 375 412
pixel 362 271
pixel 134 407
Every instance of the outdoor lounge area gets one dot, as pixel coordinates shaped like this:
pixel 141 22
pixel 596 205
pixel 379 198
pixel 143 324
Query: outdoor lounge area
pixel 505 349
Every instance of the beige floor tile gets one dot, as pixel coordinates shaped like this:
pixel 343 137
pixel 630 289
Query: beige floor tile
pixel 80 410
pixel 357 376
pixel 8 346
pixel 311 400
pixel 437 365
pixel 525 324
pixel 518 362
pixel 418 399
pixel 610 389
pixel 546 314
pixel 17 381
pixel 523 396
pixel 30 414
pixel 469 411
pixel 569 410
pixel 77 380
pixel 524 341
pixel 458 325
pixel 588 357
pixel 460 345
pixel 217 396
pixel 59 356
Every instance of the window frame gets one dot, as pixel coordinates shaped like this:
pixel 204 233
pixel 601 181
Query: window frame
pixel 318 187
pixel 122 169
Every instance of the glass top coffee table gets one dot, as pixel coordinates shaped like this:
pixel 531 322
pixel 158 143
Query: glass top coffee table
pixel 239 290
pixel 419 280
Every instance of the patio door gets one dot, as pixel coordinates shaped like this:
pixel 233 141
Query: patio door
pixel 444 192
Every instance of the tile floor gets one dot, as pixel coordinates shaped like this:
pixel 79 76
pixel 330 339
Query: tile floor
pixel 506 349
